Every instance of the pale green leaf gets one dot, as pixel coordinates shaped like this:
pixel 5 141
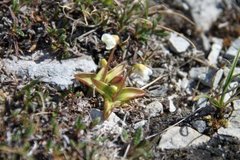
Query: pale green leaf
pixel 85 78
pixel 129 93
pixel 116 71
pixel 104 89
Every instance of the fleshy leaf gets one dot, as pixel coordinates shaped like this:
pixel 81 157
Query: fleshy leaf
pixel 118 81
pixel 100 74
pixel 108 106
pixel 128 93
pixel 104 89
pixel 116 71
pixel 85 78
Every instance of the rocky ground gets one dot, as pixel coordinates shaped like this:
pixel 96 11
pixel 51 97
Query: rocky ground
pixel 189 47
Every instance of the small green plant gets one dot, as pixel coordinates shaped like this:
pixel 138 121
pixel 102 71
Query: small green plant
pixel 111 85
pixel 59 41
pixel 219 101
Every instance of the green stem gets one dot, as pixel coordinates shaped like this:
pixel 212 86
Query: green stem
pixel 108 64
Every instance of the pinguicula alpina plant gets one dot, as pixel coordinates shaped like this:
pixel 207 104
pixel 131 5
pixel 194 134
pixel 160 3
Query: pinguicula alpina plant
pixel 110 84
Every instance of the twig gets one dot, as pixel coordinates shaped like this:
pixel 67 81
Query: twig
pixel 171 30
pixel 155 80
pixel 87 33
pixel 177 14
pixel 40 113
pixel 126 151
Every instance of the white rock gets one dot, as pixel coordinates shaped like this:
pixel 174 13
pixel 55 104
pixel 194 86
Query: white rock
pixel 233 49
pixel 181 137
pixel 154 109
pixel 205 12
pixel 139 124
pixel 233 128
pixel 110 126
pixel 217 78
pixel 60 73
pixel 202 102
pixel 178 44
pixel 184 83
pixel 232 90
pixel 215 51
pixel 172 107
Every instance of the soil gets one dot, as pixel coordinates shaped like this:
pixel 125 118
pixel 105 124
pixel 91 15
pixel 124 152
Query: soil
pixel 60 130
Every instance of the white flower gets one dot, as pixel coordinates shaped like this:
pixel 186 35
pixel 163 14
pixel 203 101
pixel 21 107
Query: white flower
pixel 110 40
pixel 140 74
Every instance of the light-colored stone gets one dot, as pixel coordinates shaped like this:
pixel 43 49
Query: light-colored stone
pixel 154 109
pixel 204 74
pixel 231 91
pixel 60 73
pixel 139 124
pixel 181 137
pixel 199 125
pixel 204 12
pixel 110 126
pixel 215 51
pixel 233 128
pixel 178 44
pixel 158 90
pixel 205 41
pixel 172 107
pixel 184 83
pixel 233 49
pixel 217 78
pixel 202 102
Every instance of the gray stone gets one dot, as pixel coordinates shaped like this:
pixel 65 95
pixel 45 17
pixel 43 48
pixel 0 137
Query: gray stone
pixel 199 125
pixel 205 41
pixel 182 74
pixel 172 107
pixel 204 12
pixel 60 73
pixel 139 124
pixel 204 74
pixel 158 90
pixel 178 44
pixel 236 105
pixel 113 125
pixel 233 128
pixel 154 109
pixel 217 78
pixel 184 83
pixel 215 51
pixel 202 102
pixel 158 71
pixel 232 90
pixel 233 49
pixel 181 137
